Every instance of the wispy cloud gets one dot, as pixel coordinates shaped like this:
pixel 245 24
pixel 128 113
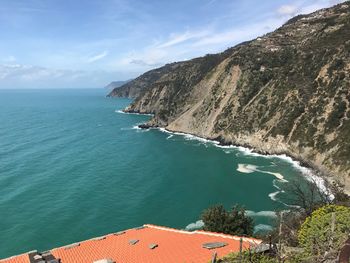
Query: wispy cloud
pixel 176 39
pixel 180 46
pixel 289 10
pixel 97 57
pixel 137 36
pixel 190 43
pixel 306 7
pixel 32 73
pixel 234 36
pixel 145 63
pixel 26 76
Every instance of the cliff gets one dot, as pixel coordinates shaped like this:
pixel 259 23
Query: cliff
pixel 115 84
pixel 285 92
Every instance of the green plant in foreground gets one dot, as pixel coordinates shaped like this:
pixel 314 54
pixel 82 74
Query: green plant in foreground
pixel 325 231
pixel 234 222
pixel 246 257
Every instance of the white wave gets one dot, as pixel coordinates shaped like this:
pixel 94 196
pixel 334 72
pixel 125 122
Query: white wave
pixel 246 168
pixel 307 173
pixel 191 137
pixel 217 144
pixel 169 137
pixel 275 185
pixel 262 227
pixel 193 226
pixel 273 195
pixel 135 127
pixel 188 136
pixel 277 175
pixel 260 213
pixel 250 168
pixel 133 113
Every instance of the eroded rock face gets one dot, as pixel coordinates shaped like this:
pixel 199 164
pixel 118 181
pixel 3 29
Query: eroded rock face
pixel 285 92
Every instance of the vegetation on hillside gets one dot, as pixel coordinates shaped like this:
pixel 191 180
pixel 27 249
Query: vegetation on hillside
pixel 315 230
pixel 324 232
pixel 291 94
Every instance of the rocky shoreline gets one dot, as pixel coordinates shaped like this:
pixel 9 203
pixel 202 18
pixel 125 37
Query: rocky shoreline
pixel 316 173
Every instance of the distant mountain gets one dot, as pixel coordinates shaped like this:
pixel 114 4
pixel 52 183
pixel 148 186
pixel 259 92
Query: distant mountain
pixel 115 84
pixel 285 92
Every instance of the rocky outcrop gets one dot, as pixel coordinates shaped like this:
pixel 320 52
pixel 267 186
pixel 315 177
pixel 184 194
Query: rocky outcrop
pixel 285 92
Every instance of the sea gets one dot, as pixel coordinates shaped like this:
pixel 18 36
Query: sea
pixel 73 166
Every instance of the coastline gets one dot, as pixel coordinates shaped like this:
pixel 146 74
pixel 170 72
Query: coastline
pixel 309 171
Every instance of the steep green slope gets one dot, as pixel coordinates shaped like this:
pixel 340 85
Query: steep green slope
pixel 285 92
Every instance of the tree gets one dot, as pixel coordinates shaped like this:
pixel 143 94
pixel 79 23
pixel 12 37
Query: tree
pixel 325 231
pixel 340 197
pixel 234 222
pixel 307 197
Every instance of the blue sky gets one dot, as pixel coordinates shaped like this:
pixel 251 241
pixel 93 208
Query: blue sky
pixel 75 44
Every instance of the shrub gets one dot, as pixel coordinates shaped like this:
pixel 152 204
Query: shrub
pixel 323 233
pixel 234 222
pixel 247 257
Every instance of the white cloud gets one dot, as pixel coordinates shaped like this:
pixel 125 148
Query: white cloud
pixel 97 57
pixel 305 7
pixel 176 39
pixel 29 76
pixel 289 10
pixel 30 73
pixel 149 57
pixel 144 63
pixel 210 39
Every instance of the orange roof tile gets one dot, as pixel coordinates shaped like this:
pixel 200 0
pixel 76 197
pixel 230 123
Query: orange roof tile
pixel 24 258
pixel 173 246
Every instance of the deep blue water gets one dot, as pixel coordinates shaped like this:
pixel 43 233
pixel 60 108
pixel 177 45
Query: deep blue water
pixel 72 168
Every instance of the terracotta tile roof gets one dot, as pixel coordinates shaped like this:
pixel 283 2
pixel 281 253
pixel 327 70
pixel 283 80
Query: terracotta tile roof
pixel 169 245
pixel 17 259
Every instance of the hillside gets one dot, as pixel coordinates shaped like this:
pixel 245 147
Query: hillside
pixel 285 92
pixel 115 84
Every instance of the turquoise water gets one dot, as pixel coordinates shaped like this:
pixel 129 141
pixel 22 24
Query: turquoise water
pixel 72 168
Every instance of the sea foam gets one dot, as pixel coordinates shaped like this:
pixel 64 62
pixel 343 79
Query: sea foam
pixel 260 213
pixel 250 168
pixel 133 113
pixel 194 226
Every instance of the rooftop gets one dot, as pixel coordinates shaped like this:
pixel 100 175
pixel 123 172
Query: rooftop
pixel 148 243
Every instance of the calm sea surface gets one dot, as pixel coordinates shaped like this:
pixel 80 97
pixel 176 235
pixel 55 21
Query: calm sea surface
pixel 72 168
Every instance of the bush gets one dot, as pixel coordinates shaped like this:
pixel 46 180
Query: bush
pixel 234 222
pixel 247 257
pixel 325 231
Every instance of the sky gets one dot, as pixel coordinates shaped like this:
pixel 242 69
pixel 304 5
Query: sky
pixel 87 44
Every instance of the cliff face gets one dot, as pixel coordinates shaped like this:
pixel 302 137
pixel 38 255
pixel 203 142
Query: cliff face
pixel 285 92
